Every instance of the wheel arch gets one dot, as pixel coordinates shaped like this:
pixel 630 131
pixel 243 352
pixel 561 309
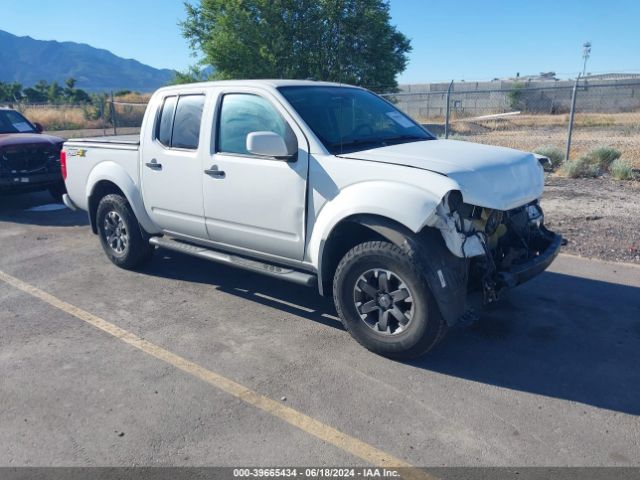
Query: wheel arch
pixel 348 233
pixel 107 178
pixel 445 273
pixel 373 205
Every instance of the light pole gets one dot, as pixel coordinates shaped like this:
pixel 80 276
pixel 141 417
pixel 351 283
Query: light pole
pixel 586 53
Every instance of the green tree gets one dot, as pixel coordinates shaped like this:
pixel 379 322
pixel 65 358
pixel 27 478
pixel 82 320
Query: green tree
pixel 38 93
pixel 54 93
pixel 350 41
pixel 193 74
pixel 74 95
pixel 10 92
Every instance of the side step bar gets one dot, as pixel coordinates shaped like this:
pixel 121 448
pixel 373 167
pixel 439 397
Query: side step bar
pixel 301 278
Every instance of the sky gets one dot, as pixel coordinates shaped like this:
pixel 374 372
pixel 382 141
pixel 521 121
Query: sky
pixel 461 40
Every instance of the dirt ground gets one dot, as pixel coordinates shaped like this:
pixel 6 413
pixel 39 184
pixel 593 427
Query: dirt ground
pixel 598 217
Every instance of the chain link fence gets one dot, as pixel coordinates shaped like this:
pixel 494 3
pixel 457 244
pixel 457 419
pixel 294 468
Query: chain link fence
pixel 532 115
pixel 523 115
pixel 105 115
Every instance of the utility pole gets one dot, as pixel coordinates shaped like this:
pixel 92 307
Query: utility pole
pixel 586 53
pixel 571 116
pixel 447 111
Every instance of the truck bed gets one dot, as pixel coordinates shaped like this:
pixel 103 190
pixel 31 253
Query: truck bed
pixel 109 140
pixel 90 157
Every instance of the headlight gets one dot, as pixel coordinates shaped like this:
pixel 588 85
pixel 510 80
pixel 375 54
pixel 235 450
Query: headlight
pixel 534 212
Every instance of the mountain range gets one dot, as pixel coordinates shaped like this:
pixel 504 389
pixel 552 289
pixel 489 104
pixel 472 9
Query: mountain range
pixel 26 61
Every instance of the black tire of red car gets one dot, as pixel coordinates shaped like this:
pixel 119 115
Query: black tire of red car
pixel 120 233
pixel 57 191
pixel 402 273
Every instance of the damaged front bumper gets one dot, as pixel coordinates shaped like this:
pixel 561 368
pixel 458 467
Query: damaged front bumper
pixel 519 274
pixel 484 252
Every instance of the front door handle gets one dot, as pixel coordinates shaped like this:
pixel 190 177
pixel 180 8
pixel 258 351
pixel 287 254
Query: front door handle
pixel 154 165
pixel 214 172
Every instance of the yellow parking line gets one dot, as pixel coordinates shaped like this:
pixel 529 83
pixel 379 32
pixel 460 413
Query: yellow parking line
pixel 350 444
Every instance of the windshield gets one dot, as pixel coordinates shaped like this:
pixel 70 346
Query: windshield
pixel 350 119
pixel 12 122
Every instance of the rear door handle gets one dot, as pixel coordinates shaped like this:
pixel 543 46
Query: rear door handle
pixel 154 165
pixel 214 172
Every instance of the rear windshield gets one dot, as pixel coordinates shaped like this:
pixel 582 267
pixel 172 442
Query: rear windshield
pixel 13 122
pixel 349 119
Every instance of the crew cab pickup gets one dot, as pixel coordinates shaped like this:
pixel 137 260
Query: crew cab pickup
pixel 323 185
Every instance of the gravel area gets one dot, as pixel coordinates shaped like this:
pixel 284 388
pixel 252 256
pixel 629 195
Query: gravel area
pixel 598 217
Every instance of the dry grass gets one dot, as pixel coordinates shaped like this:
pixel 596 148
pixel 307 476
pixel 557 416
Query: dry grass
pixel 60 118
pixel 628 119
pixel 64 117
pixel 529 132
pixel 134 97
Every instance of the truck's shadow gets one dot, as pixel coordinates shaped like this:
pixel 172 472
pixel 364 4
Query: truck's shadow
pixel 38 208
pixel 295 299
pixel 560 336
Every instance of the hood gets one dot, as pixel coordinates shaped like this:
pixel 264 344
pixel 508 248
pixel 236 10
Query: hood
pixel 488 176
pixel 13 139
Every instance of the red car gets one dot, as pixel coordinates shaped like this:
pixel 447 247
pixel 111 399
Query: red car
pixel 29 159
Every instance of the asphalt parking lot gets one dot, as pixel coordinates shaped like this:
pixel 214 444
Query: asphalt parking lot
pixel 549 377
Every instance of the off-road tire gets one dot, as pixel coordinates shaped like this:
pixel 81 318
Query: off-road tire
pixel 426 327
pixel 137 251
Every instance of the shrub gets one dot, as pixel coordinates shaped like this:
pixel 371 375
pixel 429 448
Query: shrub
pixel 622 170
pixel 457 136
pixel 554 154
pixel 603 157
pixel 632 129
pixel 514 97
pixel 583 167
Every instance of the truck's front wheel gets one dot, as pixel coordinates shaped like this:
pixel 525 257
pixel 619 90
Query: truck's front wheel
pixel 120 233
pixel 384 301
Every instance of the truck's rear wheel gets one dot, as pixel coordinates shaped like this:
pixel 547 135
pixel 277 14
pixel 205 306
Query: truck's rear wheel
pixel 384 301
pixel 120 233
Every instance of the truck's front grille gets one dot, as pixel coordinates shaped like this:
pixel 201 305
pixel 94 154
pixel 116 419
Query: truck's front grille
pixel 26 160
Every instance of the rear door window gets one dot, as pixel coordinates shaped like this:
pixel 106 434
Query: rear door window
pixel 186 126
pixel 179 123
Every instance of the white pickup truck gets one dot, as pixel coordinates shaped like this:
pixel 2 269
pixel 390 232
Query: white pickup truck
pixel 320 184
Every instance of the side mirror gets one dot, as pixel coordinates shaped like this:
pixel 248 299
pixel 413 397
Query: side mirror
pixel 38 126
pixel 268 144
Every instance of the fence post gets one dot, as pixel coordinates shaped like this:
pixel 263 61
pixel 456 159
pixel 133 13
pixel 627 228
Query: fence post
pixel 102 102
pixel 113 115
pixel 571 114
pixel 446 117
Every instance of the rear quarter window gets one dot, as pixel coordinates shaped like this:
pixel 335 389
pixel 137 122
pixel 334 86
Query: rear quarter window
pixel 165 121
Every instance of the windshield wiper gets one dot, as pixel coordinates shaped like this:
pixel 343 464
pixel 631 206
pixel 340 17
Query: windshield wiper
pixel 403 138
pixel 375 141
pixel 355 143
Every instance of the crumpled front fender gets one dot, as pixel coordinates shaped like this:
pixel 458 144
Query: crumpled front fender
pixel 446 274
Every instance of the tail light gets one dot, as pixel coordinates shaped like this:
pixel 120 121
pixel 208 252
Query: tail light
pixel 63 164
